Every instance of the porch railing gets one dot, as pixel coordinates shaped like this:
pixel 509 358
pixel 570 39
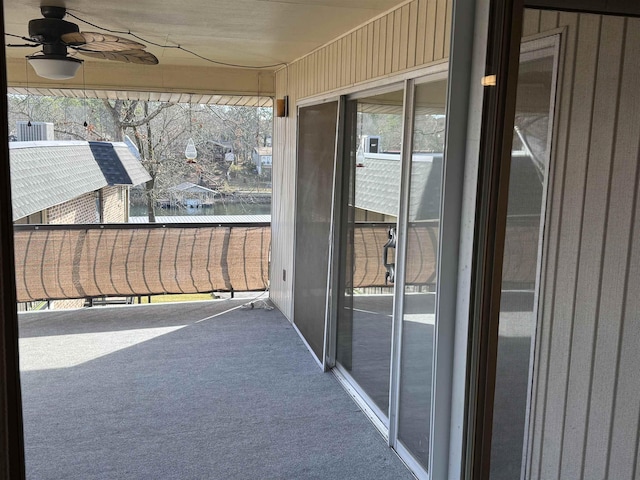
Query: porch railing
pixel 56 262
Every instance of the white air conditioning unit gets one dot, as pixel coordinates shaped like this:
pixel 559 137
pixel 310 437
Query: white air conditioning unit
pixel 371 144
pixel 37 132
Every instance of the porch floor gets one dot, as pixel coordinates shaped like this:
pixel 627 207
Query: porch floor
pixel 186 391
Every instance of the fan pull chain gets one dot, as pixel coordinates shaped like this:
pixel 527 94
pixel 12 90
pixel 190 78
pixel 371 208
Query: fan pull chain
pixel 26 75
pixel 84 92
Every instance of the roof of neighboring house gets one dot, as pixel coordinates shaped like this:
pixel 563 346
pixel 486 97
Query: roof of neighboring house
pixel 262 151
pixel 118 164
pixel 44 174
pixel 378 185
pixel 191 188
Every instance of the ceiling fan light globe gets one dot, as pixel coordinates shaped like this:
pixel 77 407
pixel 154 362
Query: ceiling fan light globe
pixel 55 68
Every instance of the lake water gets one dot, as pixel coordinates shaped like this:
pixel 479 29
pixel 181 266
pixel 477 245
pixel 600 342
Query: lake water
pixel 219 209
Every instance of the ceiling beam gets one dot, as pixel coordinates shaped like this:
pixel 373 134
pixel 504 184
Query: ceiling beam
pixel 114 76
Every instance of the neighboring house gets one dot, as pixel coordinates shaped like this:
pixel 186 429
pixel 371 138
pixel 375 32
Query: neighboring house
pixel 223 151
pixel 262 158
pixel 191 195
pixel 72 181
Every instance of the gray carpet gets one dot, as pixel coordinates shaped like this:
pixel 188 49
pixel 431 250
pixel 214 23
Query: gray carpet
pixel 148 392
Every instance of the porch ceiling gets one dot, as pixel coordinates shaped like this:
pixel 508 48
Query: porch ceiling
pixel 240 32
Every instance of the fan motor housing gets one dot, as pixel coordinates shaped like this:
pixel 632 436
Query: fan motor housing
pixel 49 30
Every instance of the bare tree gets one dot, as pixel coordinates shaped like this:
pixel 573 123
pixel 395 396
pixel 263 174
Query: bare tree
pixel 135 116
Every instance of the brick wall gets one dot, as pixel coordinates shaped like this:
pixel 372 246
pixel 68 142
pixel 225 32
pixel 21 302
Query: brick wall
pixel 114 204
pixel 82 209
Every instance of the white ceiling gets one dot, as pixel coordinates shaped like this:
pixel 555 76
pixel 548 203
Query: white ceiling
pixel 247 32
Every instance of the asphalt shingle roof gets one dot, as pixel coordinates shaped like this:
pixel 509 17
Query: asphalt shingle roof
pixel 118 164
pixel 378 185
pixel 44 174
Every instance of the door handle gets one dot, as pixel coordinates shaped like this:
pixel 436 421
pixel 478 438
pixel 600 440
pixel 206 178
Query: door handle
pixel 390 274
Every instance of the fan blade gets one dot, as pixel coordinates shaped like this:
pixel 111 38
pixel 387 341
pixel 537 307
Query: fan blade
pixel 141 57
pixel 31 45
pixel 99 42
pixel 104 47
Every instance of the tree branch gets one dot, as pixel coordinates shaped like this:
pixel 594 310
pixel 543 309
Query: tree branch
pixel 147 118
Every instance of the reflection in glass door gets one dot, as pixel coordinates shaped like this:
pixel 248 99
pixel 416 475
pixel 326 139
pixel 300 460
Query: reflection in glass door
pixel 420 274
pixel 523 253
pixel 371 193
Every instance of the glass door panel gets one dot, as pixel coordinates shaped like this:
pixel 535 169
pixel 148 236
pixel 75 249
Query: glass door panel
pixel 522 254
pixel 420 283
pixel 371 193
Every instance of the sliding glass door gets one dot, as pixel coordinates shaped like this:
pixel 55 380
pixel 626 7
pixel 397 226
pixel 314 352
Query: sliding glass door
pixel 388 245
pixel 420 283
pixel 371 198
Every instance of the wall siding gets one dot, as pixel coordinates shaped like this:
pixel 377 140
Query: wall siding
pixel 413 35
pixel 586 393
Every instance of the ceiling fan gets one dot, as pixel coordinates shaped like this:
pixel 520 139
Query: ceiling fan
pixel 56 36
